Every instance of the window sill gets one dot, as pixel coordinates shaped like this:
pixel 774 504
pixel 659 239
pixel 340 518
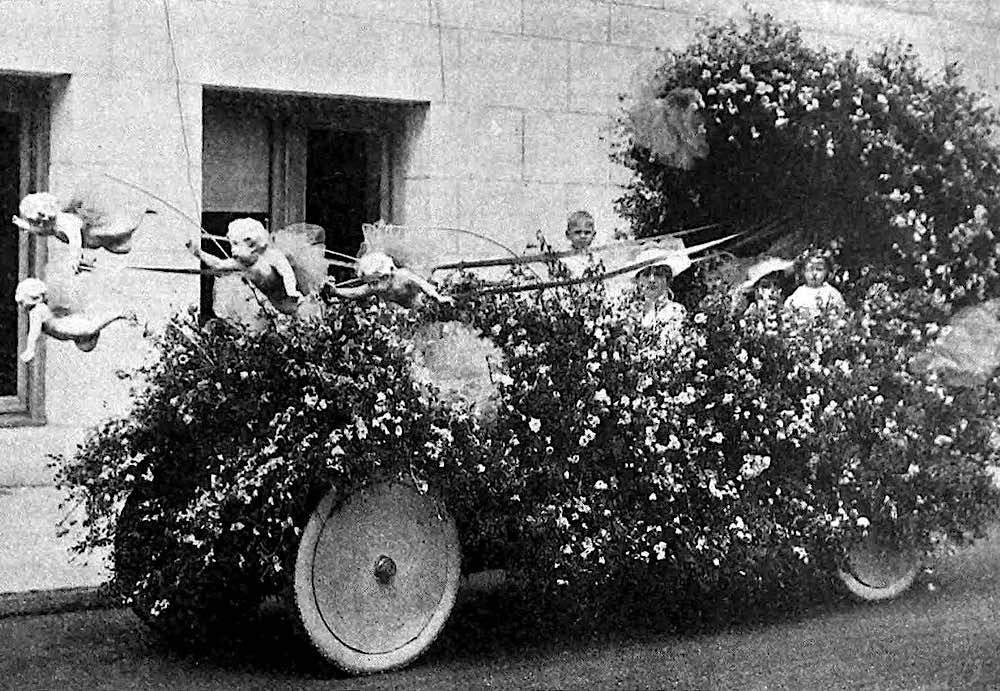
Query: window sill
pixel 20 420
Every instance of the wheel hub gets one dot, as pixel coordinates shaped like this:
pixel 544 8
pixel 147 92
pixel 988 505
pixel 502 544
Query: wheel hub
pixel 385 569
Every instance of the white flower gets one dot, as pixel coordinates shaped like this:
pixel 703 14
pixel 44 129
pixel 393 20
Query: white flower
pixel 745 72
pixel 948 146
pixel 661 550
pixel 534 424
pixel 754 465
pixel 863 522
pixel 600 485
pixel 602 397
pixel 994 472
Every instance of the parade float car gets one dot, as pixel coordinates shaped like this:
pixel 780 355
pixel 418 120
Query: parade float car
pixel 242 477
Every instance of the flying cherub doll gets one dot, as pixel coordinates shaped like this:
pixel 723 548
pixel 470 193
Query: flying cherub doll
pixel 384 267
pixel 56 321
pixel 82 227
pixel 280 269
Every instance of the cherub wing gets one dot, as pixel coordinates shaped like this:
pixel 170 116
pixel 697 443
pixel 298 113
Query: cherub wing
pixel 305 246
pixel 424 248
pixel 670 127
pixel 100 200
pixel 68 293
pixel 110 212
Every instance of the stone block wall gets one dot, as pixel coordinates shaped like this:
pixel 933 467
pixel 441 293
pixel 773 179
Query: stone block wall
pixel 519 100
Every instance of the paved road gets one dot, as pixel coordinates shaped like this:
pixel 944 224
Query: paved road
pixel 946 637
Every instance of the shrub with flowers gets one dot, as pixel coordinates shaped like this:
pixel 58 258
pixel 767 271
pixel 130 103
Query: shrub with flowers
pixel 873 157
pixel 728 464
pixel 233 437
pixel 735 460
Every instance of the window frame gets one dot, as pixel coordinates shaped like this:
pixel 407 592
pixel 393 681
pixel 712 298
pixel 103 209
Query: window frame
pixel 290 116
pixel 29 99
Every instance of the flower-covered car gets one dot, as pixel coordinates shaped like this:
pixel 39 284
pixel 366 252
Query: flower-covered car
pixel 340 459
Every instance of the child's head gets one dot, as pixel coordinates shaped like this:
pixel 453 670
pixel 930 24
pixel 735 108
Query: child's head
pixel 580 229
pixel 815 269
pixel 30 292
pixel 376 269
pixel 248 239
pixel 655 280
pixel 767 288
pixel 39 209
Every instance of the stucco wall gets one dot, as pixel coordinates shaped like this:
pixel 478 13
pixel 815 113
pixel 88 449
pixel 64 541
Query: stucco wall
pixel 520 93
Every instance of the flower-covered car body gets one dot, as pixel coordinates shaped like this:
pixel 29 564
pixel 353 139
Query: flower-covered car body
pixel 721 466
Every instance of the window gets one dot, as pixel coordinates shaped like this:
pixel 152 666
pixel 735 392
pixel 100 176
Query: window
pixel 23 169
pixel 284 159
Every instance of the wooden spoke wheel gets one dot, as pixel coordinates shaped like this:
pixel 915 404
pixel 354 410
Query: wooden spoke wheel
pixel 877 569
pixel 377 576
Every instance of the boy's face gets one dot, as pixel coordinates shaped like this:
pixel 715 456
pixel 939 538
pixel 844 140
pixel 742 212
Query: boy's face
pixel 814 273
pixel 652 284
pixel 580 233
pixel 766 290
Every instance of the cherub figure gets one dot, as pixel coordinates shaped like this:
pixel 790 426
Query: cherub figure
pixel 265 267
pixel 816 295
pixel 82 329
pixel 80 228
pixel 381 277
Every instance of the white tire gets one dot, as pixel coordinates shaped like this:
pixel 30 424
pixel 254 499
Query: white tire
pixel 876 570
pixel 376 577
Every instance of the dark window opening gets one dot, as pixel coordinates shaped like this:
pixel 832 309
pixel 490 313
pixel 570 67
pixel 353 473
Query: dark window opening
pixel 10 184
pixel 343 185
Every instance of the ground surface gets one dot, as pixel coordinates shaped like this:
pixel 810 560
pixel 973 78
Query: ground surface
pixel 948 637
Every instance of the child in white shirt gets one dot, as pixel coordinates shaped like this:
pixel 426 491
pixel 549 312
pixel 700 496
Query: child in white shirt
pixel 816 295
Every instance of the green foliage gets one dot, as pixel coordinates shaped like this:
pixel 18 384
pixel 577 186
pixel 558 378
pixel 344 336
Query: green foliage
pixel 874 158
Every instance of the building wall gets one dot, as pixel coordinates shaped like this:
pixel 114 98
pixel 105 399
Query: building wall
pixel 520 95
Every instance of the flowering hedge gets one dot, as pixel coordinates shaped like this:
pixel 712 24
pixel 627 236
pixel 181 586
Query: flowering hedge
pixel 876 158
pixel 733 462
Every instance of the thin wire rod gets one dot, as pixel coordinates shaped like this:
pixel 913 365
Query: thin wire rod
pixel 548 256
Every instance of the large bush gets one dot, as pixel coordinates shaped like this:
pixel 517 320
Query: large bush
pixel 874 157
pixel 728 465
pixel 233 437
